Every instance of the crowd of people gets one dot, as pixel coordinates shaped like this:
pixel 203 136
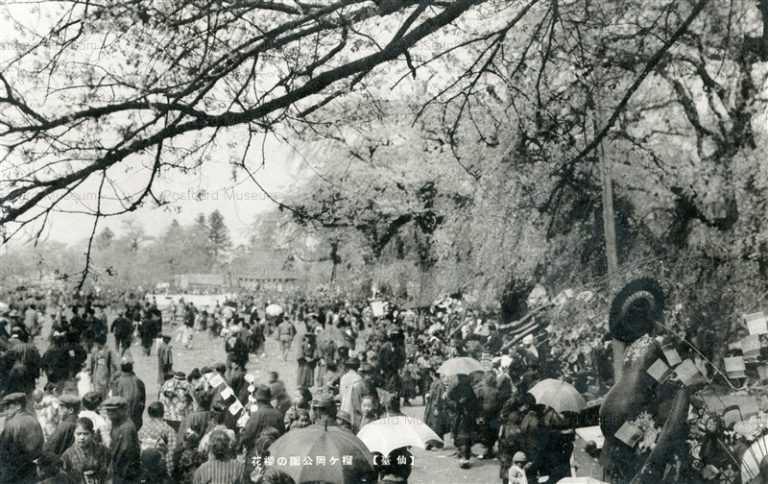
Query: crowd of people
pixel 77 412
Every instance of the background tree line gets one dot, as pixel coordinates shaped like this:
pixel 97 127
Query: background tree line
pixel 128 260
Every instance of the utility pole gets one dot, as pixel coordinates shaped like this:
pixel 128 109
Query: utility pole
pixel 609 230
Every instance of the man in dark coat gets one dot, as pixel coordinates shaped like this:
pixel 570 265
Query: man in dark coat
pixel 122 328
pixel 56 360
pixel 24 363
pixel 392 360
pixel 21 442
pixel 490 405
pixel 236 346
pixel 467 410
pixel 126 452
pixel 265 416
pixel 64 435
pixel 148 330
pixel 130 387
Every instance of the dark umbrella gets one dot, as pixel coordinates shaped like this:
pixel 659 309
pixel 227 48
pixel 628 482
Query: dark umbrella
pixel 345 458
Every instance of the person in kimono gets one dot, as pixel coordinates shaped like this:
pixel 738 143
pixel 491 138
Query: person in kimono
pixel 102 366
pixel 176 398
pixel 436 408
pixel 164 359
pixel 307 360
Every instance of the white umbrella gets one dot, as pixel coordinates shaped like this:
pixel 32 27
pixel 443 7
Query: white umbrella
pixel 390 433
pixel 274 310
pixel 461 365
pixel 558 395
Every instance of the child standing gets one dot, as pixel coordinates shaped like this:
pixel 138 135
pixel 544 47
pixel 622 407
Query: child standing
pixel 518 471
pixel 164 359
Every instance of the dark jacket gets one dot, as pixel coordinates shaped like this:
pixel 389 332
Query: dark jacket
pixel 21 442
pixel 265 416
pixel 130 387
pixel 122 328
pixel 63 436
pixel 466 407
pixel 126 453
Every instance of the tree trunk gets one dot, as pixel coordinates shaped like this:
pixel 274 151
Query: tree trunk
pixel 335 261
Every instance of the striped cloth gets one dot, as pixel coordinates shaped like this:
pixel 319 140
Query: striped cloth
pixel 220 472
pixel 533 327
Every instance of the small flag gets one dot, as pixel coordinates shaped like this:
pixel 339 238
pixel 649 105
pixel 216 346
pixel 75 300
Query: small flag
pixel 227 392
pixel 215 380
pixel 242 420
pixel 672 356
pixel 629 433
pixel 687 372
pixel 235 407
pixel 757 323
pixel 659 371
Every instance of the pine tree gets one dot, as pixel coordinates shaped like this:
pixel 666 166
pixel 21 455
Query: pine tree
pixel 219 242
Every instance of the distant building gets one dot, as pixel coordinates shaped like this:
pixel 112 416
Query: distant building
pixel 269 270
pixel 199 282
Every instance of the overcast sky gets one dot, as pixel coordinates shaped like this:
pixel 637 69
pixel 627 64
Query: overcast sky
pixel 240 201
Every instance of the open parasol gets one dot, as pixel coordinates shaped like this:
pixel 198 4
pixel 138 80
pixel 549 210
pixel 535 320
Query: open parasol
pixel 558 395
pixel 345 458
pixel 390 433
pixel 460 366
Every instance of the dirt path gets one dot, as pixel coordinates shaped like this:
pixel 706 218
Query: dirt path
pixel 435 467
